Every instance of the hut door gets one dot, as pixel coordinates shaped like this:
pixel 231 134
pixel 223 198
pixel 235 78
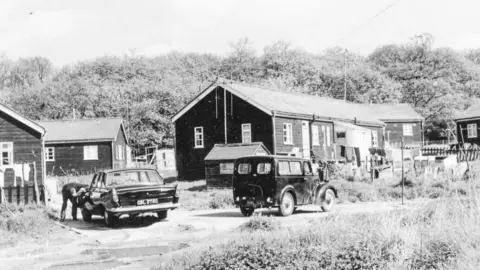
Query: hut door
pixel 306 139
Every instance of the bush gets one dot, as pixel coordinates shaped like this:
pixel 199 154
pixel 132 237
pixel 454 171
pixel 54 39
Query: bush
pixel 259 222
pixel 435 254
pixel 221 200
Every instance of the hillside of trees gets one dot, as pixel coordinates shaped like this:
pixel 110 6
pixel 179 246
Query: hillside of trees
pixel 148 91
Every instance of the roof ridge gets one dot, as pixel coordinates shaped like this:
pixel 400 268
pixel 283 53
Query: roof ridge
pixel 80 119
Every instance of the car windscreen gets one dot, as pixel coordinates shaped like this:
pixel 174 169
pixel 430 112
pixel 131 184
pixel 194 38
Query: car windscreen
pixel 133 177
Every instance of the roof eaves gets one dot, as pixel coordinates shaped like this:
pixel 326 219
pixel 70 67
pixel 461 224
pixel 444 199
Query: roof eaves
pixel 195 100
pixel 79 141
pixel 30 123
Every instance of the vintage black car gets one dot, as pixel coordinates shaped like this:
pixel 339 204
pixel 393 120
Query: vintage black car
pixel 113 193
pixel 279 181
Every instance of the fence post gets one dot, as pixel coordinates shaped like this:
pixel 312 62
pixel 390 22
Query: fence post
pixel 37 198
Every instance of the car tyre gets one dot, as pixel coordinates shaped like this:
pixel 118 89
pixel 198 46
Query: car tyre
pixel 162 215
pixel 328 200
pixel 87 215
pixel 287 205
pixel 109 219
pixel 247 211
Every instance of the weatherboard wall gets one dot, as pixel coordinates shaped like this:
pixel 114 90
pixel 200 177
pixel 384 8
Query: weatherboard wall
pixel 118 162
pixel 27 147
pixel 209 113
pixel 69 158
pixel 462 133
pixel 394 133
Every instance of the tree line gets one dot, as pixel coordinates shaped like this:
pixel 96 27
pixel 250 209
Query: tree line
pixel 148 91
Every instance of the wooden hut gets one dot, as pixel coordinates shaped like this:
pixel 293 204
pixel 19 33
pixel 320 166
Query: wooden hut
pixel 219 161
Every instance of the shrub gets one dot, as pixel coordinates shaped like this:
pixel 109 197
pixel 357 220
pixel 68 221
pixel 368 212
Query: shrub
pixel 221 200
pixel 435 254
pixel 259 222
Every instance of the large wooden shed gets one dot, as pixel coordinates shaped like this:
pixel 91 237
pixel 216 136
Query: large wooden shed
pixel 219 161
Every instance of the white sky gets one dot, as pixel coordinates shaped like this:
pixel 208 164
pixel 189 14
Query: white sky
pixel 69 31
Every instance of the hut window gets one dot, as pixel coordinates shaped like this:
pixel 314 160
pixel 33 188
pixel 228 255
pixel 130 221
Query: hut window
pixel 472 130
pixel 264 168
pixel 226 168
pixel 246 133
pixel 374 138
pixel 120 153
pixel 198 137
pixel 6 150
pixel 340 135
pixel 324 136
pixel 316 137
pixel 328 136
pixel 49 154
pixel 407 130
pixel 244 168
pixel 287 133
pixel 90 152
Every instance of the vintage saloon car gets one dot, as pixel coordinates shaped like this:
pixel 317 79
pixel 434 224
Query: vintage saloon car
pixel 113 193
pixel 279 181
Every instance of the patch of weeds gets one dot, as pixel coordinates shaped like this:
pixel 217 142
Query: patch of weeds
pixel 259 222
pixel 434 254
pixel 221 200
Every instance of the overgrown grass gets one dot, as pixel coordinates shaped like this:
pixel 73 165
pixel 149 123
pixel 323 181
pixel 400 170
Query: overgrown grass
pixel 443 234
pixel 196 196
pixel 30 220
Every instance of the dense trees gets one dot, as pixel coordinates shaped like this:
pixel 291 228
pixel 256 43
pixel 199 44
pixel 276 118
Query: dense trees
pixel 147 91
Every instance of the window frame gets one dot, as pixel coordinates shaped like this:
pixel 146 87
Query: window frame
pixel 315 136
pixel 328 135
pixel 202 138
pixel 249 131
pixel 226 170
pixel 9 151
pixel 90 156
pixel 288 133
pixel 120 154
pixel 374 137
pixel 47 152
pixel 324 136
pixel 404 130
pixel 473 129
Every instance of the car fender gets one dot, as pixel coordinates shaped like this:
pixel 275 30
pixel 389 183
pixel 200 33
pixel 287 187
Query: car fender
pixel 286 189
pixel 322 188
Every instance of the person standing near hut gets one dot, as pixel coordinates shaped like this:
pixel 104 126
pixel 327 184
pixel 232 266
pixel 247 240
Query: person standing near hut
pixel 72 192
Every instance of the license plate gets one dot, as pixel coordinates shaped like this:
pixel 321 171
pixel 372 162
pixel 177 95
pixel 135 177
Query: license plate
pixel 147 201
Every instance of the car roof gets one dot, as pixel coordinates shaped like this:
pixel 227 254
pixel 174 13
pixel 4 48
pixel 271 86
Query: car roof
pixel 126 170
pixel 274 157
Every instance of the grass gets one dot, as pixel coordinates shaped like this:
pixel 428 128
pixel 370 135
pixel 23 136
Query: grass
pixel 196 196
pixel 443 234
pixel 30 220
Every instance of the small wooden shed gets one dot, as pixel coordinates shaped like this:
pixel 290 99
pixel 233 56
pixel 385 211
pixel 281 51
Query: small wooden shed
pixel 219 161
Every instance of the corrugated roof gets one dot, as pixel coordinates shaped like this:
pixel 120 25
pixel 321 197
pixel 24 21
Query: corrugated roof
pixel 394 112
pixel 234 151
pixel 472 112
pixel 81 130
pixel 299 103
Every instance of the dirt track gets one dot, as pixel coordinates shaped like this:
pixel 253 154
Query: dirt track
pixel 139 243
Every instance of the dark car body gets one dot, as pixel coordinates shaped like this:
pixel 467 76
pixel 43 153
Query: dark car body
pixel 113 193
pixel 262 181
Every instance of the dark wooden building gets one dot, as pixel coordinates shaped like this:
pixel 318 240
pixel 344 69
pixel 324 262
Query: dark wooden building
pixel 402 121
pixel 468 124
pixel 83 146
pixel 285 122
pixel 219 161
pixel 21 155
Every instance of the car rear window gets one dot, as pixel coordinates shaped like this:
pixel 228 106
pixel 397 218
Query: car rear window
pixel 244 168
pixel 264 168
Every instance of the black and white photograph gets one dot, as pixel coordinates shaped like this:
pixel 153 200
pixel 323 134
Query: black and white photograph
pixel 228 134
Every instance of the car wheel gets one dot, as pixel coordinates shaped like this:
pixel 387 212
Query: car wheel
pixel 328 201
pixel 247 211
pixel 87 215
pixel 162 215
pixel 287 204
pixel 109 219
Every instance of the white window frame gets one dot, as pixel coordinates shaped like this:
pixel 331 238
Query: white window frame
pixel 9 150
pixel 120 154
pixel 198 131
pixel 324 136
pixel 246 128
pixel 374 138
pixel 90 152
pixel 48 151
pixel 226 167
pixel 288 133
pixel 328 136
pixel 315 136
pixel 472 131
pixel 407 129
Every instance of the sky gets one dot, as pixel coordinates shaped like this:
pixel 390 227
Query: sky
pixel 68 31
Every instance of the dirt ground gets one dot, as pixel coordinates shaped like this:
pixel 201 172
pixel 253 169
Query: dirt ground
pixel 140 243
